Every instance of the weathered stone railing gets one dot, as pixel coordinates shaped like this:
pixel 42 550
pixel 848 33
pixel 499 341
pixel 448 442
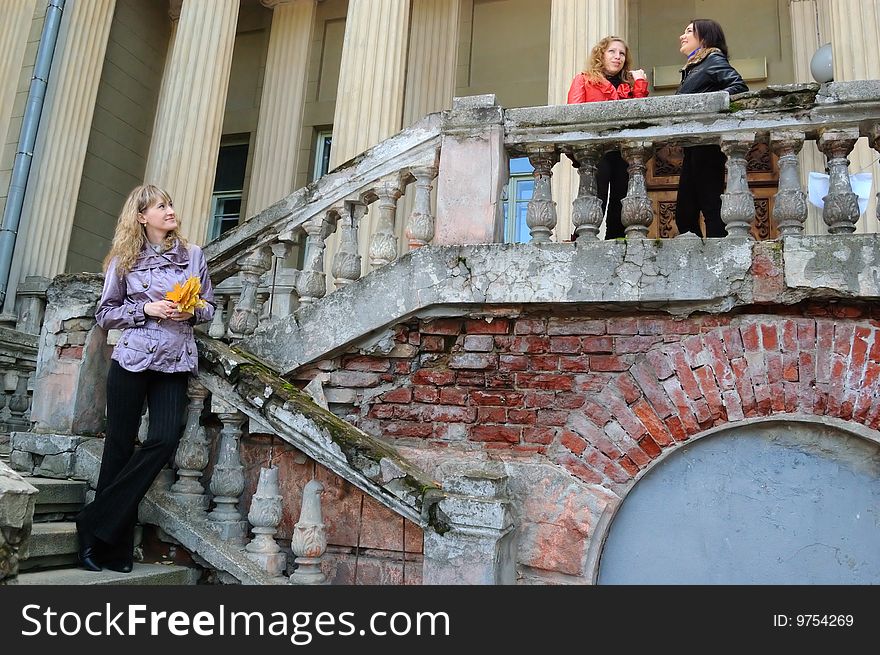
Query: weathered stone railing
pixel 833 115
pixel 467 149
pixel 338 201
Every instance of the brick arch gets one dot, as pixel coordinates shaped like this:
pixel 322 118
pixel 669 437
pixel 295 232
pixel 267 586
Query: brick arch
pixel 759 367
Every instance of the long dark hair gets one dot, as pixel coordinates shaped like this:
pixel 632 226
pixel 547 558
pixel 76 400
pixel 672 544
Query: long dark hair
pixel 710 34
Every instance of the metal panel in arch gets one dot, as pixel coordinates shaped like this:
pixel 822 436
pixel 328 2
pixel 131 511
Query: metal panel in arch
pixel 768 503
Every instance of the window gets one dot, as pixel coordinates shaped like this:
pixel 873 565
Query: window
pixel 323 143
pixel 516 196
pixel 228 188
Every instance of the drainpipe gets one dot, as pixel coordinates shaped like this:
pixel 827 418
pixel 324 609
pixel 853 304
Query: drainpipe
pixel 28 136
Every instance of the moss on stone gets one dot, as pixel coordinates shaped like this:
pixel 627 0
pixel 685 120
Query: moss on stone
pixel 252 377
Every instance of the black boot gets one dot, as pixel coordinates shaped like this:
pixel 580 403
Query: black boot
pixel 119 557
pixel 88 549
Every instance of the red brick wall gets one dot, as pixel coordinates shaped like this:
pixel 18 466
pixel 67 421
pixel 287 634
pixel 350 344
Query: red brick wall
pixel 603 397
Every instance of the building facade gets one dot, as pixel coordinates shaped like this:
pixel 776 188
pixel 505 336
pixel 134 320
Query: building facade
pixel 232 105
pixel 580 387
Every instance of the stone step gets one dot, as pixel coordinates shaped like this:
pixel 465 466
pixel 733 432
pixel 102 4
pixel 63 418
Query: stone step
pixel 141 574
pixel 58 496
pixel 51 544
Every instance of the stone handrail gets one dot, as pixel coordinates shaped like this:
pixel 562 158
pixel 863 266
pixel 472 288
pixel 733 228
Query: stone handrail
pixel 375 467
pixel 697 118
pixel 477 137
pixel 413 147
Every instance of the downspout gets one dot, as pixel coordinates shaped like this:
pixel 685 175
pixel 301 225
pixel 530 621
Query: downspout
pixel 24 155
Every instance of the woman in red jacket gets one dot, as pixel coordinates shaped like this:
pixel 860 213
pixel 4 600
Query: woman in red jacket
pixel 608 77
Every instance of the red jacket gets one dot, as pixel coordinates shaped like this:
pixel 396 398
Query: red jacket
pixel 584 90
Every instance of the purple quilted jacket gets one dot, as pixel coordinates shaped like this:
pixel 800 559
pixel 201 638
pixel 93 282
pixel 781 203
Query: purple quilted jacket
pixel 146 342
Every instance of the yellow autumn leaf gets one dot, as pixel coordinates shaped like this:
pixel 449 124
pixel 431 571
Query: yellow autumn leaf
pixel 187 295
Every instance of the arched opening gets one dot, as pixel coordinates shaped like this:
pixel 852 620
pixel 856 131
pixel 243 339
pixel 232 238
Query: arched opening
pixel 765 503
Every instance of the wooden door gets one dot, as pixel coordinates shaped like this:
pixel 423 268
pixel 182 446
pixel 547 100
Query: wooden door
pixel 662 181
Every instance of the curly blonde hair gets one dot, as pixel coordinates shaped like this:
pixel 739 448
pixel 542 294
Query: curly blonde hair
pixel 593 70
pixel 130 236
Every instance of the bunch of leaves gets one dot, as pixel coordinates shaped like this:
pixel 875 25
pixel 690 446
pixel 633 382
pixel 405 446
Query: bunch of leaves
pixel 186 295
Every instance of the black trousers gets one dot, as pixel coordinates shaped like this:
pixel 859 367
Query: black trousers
pixel 612 179
pixel 127 472
pixel 699 189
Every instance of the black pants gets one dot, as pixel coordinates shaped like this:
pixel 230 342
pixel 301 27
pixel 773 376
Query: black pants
pixel 699 189
pixel 612 179
pixel 127 472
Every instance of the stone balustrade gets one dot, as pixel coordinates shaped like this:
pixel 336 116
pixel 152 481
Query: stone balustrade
pixel 464 152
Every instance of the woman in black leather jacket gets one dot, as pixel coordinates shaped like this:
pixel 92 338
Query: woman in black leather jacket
pixel 702 174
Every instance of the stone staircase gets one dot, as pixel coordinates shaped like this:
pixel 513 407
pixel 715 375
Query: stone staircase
pixel 52 558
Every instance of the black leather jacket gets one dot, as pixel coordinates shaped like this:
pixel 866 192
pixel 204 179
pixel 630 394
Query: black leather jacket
pixel 713 73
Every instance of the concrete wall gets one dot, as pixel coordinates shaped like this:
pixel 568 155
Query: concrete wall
pixel 121 128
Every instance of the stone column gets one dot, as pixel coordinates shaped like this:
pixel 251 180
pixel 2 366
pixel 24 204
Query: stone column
pixel 189 117
pixel 810 29
pixel 430 77
pixel 369 102
pixel 60 151
pixel 575 27
pixel 15 23
pixel 281 107
pixel 478 548
pixel 855 25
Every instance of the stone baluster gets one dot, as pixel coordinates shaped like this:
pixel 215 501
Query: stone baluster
pixel 637 210
pixel 312 281
pixel 264 307
pixel 265 515
pixel 420 226
pixel 841 209
pixel 20 402
pixel 383 244
pixel 737 203
pixel 245 317
pixel 227 478
pixel 541 212
pixel 309 539
pixel 283 300
pixel 586 215
pixel 217 328
pixel 347 261
pixel 32 304
pixel 874 139
pixel 790 202
pixel 192 453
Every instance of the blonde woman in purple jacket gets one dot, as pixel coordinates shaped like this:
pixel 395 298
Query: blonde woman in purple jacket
pixel 151 362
